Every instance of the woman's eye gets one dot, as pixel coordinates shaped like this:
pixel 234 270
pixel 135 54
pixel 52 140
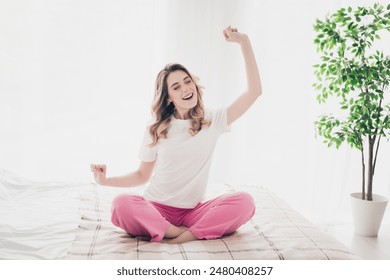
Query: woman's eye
pixel 188 81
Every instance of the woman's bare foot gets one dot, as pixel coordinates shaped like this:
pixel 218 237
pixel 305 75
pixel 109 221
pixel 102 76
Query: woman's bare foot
pixel 174 231
pixel 186 236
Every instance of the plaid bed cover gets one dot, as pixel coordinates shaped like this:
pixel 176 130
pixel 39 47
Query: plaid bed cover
pixel 275 232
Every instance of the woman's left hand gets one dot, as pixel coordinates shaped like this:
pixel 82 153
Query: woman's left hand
pixel 232 35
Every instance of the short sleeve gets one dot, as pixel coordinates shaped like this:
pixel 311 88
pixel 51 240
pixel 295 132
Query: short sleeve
pixel 219 120
pixel 146 153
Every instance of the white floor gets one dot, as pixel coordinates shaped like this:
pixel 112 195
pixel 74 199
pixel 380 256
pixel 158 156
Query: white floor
pixel 367 248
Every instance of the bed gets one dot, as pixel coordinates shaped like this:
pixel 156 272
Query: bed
pixel 56 220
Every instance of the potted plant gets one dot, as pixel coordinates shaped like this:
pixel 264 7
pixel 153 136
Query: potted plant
pixel 358 76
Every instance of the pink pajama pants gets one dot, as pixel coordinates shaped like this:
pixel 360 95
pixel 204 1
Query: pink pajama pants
pixel 208 220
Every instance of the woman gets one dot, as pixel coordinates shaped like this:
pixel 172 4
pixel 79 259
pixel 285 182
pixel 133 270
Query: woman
pixel 177 149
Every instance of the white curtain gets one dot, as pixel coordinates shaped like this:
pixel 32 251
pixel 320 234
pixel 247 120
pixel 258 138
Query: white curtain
pixel 77 77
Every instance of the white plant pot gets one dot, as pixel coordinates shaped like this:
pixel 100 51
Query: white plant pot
pixel 367 215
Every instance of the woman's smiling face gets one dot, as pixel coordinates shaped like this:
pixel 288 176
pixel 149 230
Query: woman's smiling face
pixel 182 92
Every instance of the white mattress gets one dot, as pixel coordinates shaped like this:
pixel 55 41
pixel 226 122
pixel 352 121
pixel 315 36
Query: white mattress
pixel 54 220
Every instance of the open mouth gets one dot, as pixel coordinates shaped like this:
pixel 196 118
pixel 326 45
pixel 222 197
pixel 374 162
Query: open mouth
pixel 188 97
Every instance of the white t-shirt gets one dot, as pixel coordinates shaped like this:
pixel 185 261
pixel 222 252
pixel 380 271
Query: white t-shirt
pixel 182 161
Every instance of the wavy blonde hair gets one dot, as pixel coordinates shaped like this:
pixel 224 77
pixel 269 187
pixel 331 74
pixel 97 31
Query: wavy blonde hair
pixel 162 110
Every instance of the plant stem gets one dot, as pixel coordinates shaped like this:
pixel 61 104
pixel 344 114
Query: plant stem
pixel 371 142
pixel 363 172
pixel 376 155
pixel 376 133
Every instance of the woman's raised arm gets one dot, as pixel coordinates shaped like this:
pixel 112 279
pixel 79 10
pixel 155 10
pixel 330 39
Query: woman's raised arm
pixel 254 89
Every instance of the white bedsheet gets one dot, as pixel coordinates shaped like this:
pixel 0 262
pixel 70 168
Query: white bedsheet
pixel 275 232
pixel 38 220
